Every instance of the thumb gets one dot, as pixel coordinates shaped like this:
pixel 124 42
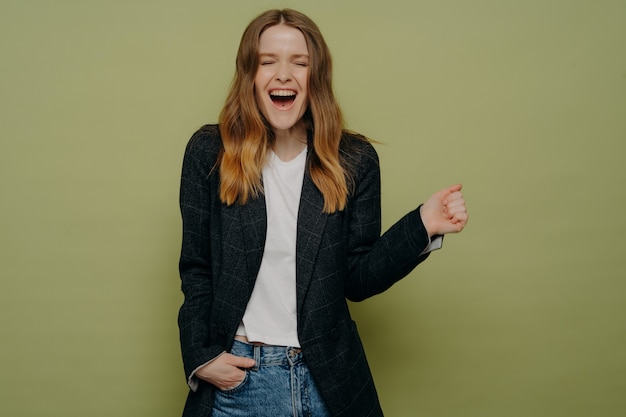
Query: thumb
pixel 241 362
pixel 449 190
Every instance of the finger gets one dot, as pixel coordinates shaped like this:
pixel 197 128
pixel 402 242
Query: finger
pixel 457 195
pixel 449 192
pixel 454 204
pixel 456 187
pixel 241 362
pixel 456 213
pixel 460 220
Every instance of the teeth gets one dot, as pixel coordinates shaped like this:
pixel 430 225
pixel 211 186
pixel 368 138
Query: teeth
pixel 283 93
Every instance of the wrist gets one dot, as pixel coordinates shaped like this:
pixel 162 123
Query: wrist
pixel 427 222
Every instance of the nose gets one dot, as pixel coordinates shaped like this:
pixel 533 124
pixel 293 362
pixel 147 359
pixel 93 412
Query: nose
pixel 283 75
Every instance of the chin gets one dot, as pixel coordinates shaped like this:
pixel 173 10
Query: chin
pixel 284 121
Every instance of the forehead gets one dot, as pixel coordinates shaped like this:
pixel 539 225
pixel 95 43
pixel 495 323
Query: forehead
pixel 282 38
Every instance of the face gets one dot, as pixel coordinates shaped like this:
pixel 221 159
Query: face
pixel 282 76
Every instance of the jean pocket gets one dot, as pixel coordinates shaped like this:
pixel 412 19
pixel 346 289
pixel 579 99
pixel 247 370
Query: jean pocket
pixel 239 386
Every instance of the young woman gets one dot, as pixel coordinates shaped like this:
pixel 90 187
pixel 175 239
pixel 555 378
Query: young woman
pixel 281 224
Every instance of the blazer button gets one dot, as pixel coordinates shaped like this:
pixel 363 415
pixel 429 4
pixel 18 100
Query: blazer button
pixel 334 333
pixel 222 330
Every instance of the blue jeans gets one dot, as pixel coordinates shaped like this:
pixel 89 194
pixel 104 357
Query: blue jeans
pixel 279 385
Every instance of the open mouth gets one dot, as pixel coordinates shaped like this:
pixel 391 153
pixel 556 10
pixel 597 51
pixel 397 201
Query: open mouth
pixel 283 98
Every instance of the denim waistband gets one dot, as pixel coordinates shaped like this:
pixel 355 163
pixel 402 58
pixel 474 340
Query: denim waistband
pixel 268 355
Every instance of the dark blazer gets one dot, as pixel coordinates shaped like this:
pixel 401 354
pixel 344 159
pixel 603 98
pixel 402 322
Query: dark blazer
pixel 339 256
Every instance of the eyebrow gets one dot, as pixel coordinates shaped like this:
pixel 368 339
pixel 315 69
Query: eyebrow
pixel 296 56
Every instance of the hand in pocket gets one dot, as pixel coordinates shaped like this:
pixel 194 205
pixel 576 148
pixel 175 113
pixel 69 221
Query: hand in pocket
pixel 226 371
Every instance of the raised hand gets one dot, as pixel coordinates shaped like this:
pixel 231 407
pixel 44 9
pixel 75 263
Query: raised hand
pixel 445 211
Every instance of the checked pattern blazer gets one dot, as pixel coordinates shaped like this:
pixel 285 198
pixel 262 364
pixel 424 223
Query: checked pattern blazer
pixel 339 256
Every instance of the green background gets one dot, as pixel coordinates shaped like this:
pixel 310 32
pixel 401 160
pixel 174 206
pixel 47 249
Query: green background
pixel 524 102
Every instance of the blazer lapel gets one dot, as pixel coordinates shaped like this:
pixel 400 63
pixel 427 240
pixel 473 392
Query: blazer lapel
pixel 311 223
pixel 254 228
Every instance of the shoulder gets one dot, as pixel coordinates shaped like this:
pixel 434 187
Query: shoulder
pixel 357 152
pixel 206 139
pixel 205 144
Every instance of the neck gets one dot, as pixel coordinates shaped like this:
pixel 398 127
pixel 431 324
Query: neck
pixel 289 143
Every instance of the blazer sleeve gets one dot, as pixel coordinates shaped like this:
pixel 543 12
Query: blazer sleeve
pixel 195 260
pixel 376 262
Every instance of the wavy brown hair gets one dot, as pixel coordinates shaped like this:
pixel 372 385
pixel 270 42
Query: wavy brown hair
pixel 247 136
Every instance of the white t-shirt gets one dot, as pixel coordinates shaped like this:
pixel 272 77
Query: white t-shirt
pixel 271 315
